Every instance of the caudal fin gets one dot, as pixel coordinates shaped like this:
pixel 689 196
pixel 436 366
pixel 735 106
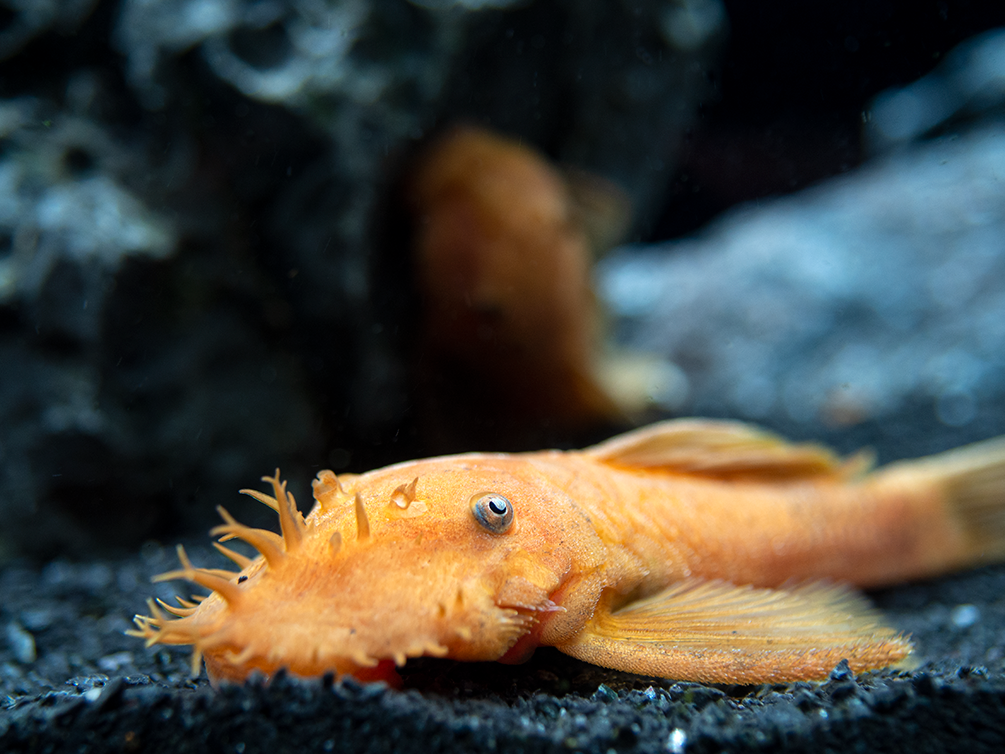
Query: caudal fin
pixel 971 482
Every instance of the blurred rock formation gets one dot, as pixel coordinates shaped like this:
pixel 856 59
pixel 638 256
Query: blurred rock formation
pixel 870 306
pixel 188 212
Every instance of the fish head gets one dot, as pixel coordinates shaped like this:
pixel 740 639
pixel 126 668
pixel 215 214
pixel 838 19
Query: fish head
pixel 462 557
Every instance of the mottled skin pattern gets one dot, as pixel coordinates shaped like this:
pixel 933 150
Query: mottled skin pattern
pixel 700 551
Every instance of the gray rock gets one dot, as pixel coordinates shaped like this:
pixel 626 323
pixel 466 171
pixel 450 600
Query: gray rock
pixel 969 83
pixel 27 19
pixel 866 296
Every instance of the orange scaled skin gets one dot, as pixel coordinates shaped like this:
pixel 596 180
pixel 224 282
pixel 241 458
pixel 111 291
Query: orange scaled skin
pixel 393 563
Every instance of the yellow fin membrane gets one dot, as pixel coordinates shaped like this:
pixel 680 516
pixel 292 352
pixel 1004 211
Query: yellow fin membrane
pixel 717 632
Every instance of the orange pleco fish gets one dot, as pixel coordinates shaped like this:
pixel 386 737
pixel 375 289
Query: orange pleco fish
pixel 508 323
pixel 689 549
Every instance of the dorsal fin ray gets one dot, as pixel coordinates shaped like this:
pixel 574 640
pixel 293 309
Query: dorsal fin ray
pixel 723 449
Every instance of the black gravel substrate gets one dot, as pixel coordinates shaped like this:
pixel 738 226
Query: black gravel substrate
pixel 71 681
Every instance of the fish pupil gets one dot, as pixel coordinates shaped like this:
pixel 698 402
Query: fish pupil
pixel 497 506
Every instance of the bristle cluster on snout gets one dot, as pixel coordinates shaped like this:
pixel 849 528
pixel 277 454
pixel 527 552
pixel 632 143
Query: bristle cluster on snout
pixel 230 627
pixel 215 579
pixel 186 628
pixel 291 521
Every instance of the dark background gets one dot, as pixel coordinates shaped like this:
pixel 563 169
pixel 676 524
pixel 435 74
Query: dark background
pixel 795 81
pixel 781 108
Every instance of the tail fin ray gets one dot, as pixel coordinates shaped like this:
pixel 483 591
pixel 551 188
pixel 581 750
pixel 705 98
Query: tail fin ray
pixel 971 481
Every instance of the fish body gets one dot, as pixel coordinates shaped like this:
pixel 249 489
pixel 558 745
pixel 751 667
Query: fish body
pixel 689 549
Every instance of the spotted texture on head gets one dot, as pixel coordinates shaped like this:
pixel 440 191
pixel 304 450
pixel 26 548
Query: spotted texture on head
pixel 314 601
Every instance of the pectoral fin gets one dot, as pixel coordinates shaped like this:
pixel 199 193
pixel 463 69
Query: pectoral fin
pixel 716 632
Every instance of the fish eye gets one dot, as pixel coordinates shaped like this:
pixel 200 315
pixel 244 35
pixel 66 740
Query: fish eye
pixel 493 512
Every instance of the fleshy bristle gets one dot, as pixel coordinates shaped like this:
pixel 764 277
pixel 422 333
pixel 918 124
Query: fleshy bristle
pixel 223 573
pixel 262 498
pixel 157 616
pixel 242 561
pixel 148 627
pixel 362 522
pixel 326 487
pixel 268 543
pixel 143 630
pixel 203 577
pixel 239 658
pixel 179 612
pixel 196 660
pixel 432 649
pixel 291 522
pixel 362 659
pixel 404 494
pixel 515 623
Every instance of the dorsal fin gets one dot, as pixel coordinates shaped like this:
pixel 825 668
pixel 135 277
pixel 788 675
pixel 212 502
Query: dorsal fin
pixel 723 449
